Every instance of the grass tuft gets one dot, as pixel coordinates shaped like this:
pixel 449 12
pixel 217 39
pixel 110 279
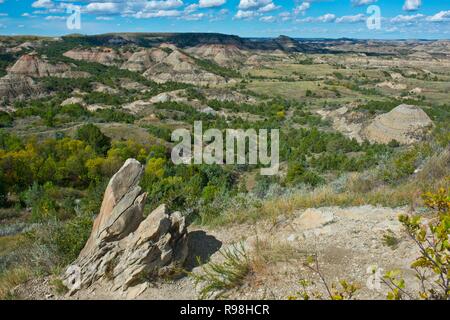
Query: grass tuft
pixel 218 278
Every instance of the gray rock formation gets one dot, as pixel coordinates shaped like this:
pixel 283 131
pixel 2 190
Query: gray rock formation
pixel 406 124
pixel 32 65
pixel 223 55
pixel 105 56
pixel 168 63
pixel 16 86
pixel 124 248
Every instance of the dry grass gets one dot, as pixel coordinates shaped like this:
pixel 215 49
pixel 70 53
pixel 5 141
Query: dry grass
pixel 10 279
pixel 384 195
pixel 238 266
pixel 217 278
pixel 10 243
pixel 267 253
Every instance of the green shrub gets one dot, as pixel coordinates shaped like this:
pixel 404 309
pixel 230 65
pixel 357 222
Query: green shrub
pixel 92 135
pixel 6 120
pixel 43 207
pixel 299 174
pixel 70 237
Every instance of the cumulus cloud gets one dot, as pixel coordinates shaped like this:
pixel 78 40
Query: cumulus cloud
pixel 153 9
pixel 103 8
pixel 158 14
pixel 43 4
pixel 359 3
pixel 253 4
pixel 351 19
pixel 302 8
pixel 254 8
pixel 245 14
pixel 55 18
pixel 211 3
pixel 268 7
pixel 267 19
pixel 407 18
pixel 440 16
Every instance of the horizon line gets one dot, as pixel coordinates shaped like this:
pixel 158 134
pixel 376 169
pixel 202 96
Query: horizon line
pixel 223 34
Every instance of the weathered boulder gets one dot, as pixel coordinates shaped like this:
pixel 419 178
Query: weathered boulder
pixel 406 124
pixel 125 248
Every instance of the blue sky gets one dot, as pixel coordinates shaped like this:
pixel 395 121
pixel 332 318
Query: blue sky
pixel 250 18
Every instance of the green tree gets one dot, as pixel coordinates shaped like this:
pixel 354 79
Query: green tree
pixel 92 135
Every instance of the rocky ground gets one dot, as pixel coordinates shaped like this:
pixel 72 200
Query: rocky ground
pixel 348 241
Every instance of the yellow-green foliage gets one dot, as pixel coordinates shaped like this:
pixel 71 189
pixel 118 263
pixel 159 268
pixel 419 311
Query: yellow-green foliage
pixel 432 267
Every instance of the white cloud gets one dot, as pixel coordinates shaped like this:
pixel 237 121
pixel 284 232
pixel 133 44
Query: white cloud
pixel 191 8
pixel 268 7
pixel 245 14
pixel 407 18
pixel 359 3
pixel 267 19
pixel 102 18
pixel 158 14
pixel 103 7
pixel 285 16
pixel 440 16
pixel 351 19
pixel 27 15
pixel 161 5
pixel 153 9
pixel 329 17
pixel 302 8
pixel 193 17
pixel 55 18
pixel 42 4
pixel 253 4
pixel 412 5
pixel 211 3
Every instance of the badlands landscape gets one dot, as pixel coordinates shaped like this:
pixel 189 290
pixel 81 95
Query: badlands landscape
pixel 92 206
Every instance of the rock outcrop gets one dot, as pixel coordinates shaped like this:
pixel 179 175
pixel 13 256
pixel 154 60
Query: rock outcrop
pixel 16 87
pixel 32 65
pixel 406 124
pixel 105 56
pixel 124 248
pixel 223 55
pixel 168 63
pixel 142 60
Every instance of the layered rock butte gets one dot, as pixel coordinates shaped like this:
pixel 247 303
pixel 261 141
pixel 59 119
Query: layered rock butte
pixel 405 124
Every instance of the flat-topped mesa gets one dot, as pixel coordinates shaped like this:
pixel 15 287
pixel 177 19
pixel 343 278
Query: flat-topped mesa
pixel 124 248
